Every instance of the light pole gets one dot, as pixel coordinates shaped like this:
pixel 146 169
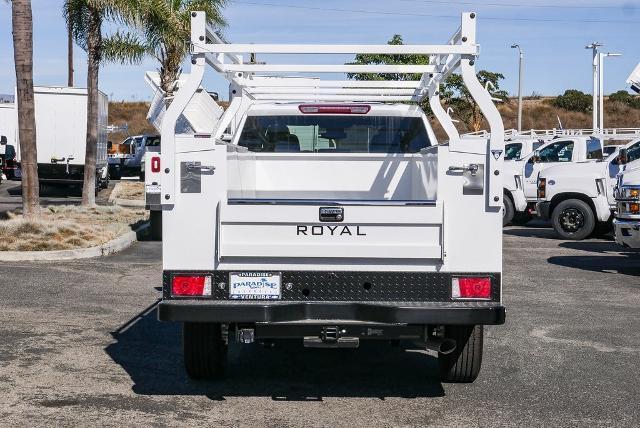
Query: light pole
pixel 520 76
pixel 601 58
pixel 594 47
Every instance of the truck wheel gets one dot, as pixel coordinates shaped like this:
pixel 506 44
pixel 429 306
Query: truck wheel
pixel 573 219
pixel 205 352
pixel 463 364
pixel 508 211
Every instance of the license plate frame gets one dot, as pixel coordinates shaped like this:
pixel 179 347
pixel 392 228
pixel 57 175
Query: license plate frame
pixel 255 285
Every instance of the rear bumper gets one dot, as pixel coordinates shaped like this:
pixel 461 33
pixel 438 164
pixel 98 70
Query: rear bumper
pixel 485 313
pixel 627 233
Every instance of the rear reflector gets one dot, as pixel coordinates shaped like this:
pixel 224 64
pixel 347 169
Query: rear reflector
pixel 477 288
pixel 334 108
pixel 155 164
pixel 191 286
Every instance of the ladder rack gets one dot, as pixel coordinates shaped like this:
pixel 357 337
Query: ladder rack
pixel 262 82
pixel 252 82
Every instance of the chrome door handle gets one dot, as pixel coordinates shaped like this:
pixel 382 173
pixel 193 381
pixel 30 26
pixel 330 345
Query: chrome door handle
pixel 471 168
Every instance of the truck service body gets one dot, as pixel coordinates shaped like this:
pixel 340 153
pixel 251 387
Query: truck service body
pixel 314 212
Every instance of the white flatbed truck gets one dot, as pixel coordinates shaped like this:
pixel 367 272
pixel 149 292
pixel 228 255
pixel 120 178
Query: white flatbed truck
pixel 329 217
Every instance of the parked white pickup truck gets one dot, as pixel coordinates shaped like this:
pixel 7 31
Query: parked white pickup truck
pixel 627 216
pixel 522 190
pixel 328 217
pixel 578 197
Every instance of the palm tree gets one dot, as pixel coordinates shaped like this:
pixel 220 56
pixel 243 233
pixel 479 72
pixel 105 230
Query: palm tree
pixel 23 56
pixel 163 29
pixel 84 19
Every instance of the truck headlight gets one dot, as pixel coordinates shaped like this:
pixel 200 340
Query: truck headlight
pixel 542 188
pixel 627 193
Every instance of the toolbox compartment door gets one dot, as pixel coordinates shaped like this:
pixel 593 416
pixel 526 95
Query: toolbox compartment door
pixel 303 230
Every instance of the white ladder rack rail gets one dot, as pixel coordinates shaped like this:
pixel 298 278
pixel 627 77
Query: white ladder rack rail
pixel 276 84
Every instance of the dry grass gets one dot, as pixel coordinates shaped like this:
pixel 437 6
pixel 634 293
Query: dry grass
pixel 67 227
pixel 129 190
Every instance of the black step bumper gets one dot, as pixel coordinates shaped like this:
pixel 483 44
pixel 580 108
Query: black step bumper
pixel 467 313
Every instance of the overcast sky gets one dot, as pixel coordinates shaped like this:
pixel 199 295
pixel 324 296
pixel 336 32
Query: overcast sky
pixel 553 36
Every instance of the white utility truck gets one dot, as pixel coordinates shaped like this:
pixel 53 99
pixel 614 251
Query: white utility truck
pixel 61 135
pixel 327 215
pixel 521 176
pixel 627 191
pixel 627 216
pixel 8 131
pixel 578 197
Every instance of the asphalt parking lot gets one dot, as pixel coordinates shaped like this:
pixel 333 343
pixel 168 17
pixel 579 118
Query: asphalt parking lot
pixel 80 345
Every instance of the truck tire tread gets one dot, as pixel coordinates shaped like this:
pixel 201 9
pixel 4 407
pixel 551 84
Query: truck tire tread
pixel 204 350
pixel 463 364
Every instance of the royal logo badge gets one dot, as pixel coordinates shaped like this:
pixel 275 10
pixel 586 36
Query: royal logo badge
pixel 496 154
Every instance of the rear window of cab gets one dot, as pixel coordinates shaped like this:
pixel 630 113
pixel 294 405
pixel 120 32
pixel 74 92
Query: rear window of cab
pixel 334 134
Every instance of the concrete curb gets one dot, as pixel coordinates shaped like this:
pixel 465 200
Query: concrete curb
pixel 128 203
pixel 111 247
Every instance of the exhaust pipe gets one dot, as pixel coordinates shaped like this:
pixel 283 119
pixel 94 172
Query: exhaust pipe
pixel 441 345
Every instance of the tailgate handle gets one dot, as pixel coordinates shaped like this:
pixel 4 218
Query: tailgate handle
pixel 471 168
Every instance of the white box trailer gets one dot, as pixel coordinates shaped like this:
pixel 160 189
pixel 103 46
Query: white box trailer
pixel 317 211
pixel 61 134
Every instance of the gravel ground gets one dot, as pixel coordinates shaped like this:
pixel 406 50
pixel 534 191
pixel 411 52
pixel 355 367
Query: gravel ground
pixel 80 345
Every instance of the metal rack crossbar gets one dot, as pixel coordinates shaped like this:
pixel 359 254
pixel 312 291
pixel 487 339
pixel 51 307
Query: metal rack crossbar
pixel 273 84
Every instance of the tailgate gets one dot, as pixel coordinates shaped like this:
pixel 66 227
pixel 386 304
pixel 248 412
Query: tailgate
pixel 288 230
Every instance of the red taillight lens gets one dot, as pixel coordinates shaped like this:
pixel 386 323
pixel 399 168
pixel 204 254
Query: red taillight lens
pixel 190 286
pixel 334 109
pixel 155 164
pixel 471 288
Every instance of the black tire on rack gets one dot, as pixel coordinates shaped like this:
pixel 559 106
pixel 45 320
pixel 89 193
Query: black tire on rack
pixel 205 352
pixel 463 364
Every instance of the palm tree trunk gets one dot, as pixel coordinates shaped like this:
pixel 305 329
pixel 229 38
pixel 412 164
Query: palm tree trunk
pixel 94 49
pixel 23 57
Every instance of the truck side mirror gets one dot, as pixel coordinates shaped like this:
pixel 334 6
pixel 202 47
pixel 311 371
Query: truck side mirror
pixel 535 158
pixel 623 158
pixel 3 140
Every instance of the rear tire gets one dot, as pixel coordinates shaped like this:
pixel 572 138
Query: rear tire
pixel 463 364
pixel 508 211
pixel 205 352
pixel 573 219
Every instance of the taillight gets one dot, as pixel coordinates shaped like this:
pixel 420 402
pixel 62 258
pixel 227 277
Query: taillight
pixel 334 108
pixel 155 164
pixel 191 285
pixel 476 288
pixel 542 188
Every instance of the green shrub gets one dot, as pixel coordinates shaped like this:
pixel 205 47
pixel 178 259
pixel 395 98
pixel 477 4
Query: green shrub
pixel 625 97
pixel 574 100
